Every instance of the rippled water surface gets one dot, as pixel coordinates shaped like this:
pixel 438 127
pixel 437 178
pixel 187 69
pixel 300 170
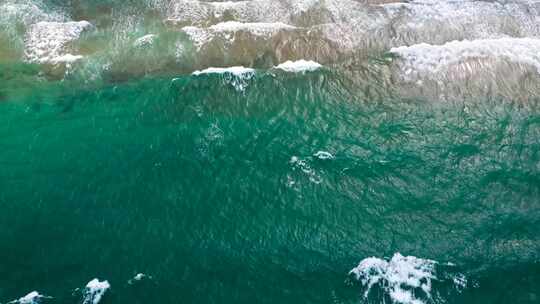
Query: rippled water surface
pixel 397 172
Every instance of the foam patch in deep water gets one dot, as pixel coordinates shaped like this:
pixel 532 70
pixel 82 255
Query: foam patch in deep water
pixel 403 279
pixel 139 277
pixel 94 291
pixel 304 167
pixel 33 297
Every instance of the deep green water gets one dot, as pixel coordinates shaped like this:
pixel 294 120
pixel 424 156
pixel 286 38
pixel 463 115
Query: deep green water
pixel 217 194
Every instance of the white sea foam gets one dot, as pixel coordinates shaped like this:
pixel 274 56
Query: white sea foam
pixel 236 70
pixel 138 277
pixel 67 58
pixel 226 30
pixel 49 42
pixel 424 59
pixel 403 279
pixel 199 12
pixel 33 297
pixel 197 35
pixel 302 6
pixel 237 76
pixel 304 166
pixel 352 25
pixel 257 28
pixel 438 22
pixel 145 40
pixel 94 291
pixel 220 8
pixel 397 276
pixel 323 155
pixel 27 12
pixel 299 66
pixel 191 12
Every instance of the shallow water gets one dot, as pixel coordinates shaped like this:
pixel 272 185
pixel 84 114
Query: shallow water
pixel 342 184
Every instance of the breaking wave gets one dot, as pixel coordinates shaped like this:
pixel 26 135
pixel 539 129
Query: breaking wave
pixel 407 280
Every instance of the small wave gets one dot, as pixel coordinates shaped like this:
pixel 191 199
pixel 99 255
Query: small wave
pixel 445 20
pixel 202 12
pixel 94 291
pixel 425 59
pixel 304 167
pixel 237 76
pixel 257 28
pixel 33 297
pixel 145 40
pixel 299 66
pixel 323 155
pixel 295 12
pixel 67 58
pixel 403 279
pixel 139 277
pixel 226 31
pixel 27 12
pixel 505 67
pixel 236 70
